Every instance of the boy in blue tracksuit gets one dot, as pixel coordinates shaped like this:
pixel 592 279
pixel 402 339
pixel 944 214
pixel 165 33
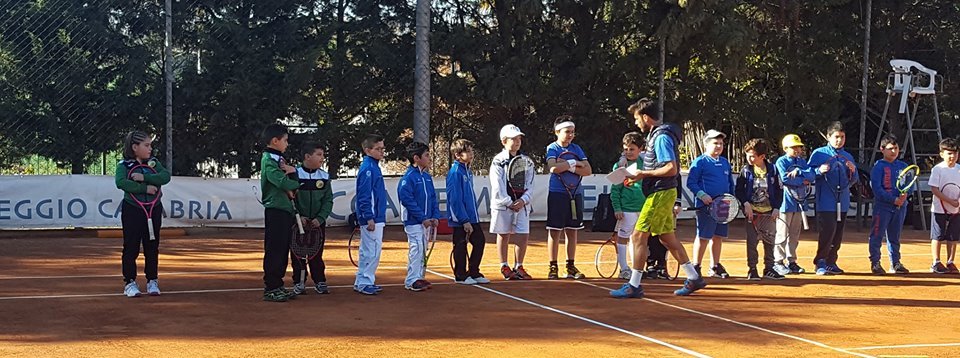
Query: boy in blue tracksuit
pixel 421 212
pixel 833 167
pixel 464 219
pixel 372 211
pixel 710 176
pixel 889 209
pixel 793 172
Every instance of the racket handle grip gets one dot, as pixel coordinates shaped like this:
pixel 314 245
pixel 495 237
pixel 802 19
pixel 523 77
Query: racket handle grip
pixel 300 224
pixel 838 212
pixel 803 218
pixel 150 229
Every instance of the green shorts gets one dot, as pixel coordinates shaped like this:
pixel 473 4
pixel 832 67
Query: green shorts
pixel 656 216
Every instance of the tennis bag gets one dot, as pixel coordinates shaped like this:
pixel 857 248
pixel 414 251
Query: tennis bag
pixel 603 218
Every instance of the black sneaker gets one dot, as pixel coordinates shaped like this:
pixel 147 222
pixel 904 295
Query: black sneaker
pixel 554 273
pixel 938 268
pixel 795 269
pixel 663 274
pixel 275 295
pixel 772 274
pixel 718 271
pixel 290 294
pixel 899 269
pixel 321 288
pixel 752 274
pixel 699 273
pixel 877 269
pixel 574 273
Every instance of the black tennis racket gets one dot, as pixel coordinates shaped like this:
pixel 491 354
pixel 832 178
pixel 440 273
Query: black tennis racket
pixel 801 194
pixel 306 246
pixel 518 171
pixel 571 181
pixel 839 178
pixel 147 202
pixel 293 202
pixel 353 246
pixel 952 191
pixel 723 209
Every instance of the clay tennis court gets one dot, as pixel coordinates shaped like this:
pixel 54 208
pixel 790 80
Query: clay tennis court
pixel 60 294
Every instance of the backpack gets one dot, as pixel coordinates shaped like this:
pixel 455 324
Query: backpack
pixel 604 219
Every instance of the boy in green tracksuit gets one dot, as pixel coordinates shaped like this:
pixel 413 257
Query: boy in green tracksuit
pixel 278 215
pixel 314 203
pixel 627 199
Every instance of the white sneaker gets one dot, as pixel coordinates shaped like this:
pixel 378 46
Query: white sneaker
pixel 625 274
pixel 481 280
pixel 153 289
pixel 299 289
pixel 131 290
pixel 469 281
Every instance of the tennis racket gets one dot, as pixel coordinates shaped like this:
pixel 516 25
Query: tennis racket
pixel 517 179
pixel 907 178
pixel 147 202
pixel 571 181
pixel 837 181
pixel 799 193
pixel 606 257
pixel 293 196
pixel 952 191
pixel 353 246
pixel 765 225
pixel 429 238
pixel 723 209
pixel 306 246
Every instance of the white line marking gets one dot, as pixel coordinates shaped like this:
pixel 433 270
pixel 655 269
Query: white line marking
pixel 841 350
pixel 907 346
pixel 181 273
pixel 571 315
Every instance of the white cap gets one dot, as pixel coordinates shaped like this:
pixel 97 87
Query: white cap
pixel 510 131
pixel 713 133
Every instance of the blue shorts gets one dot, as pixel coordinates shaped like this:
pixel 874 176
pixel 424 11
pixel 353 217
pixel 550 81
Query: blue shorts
pixel 707 228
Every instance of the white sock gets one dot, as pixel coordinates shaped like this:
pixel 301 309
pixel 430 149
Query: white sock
pixel 949 262
pixel 936 261
pixel 622 256
pixel 635 277
pixel 690 271
pixel 504 264
pixel 518 265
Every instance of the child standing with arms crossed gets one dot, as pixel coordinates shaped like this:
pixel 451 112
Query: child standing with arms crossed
pixel 421 211
pixel 138 150
pixel 314 203
pixel 464 219
pixel 278 212
pixel 561 220
pixel 372 211
pixel 509 218
pixel 627 199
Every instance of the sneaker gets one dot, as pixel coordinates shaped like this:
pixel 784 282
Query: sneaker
pixel 299 289
pixel 480 279
pixel 275 295
pixel 718 271
pixel 290 294
pixel 625 274
pixel 522 274
pixel 663 274
pixel 796 269
pixel 153 288
pixel 554 273
pixel 753 275
pixel 131 289
pixel 321 288
pixel 878 270
pixel 377 288
pixel 939 268
pixel 699 273
pixel 772 274
pixel 467 281
pixel 574 273
pixel 627 291
pixel 507 273
pixel 417 286
pixel 834 269
pixel 781 269
pixel 952 269
pixel 366 290
pixel 822 268
pixel 899 269
pixel 690 286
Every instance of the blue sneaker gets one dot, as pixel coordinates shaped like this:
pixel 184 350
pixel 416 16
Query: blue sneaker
pixel 690 286
pixel 377 288
pixel 627 291
pixel 834 269
pixel 822 268
pixel 366 290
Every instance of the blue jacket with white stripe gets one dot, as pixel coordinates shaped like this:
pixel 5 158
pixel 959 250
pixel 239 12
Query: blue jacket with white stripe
pixel 371 193
pixel 418 197
pixel 461 201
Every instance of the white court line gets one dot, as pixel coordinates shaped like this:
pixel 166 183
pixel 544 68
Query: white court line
pixel 571 315
pixel 822 345
pixel 181 273
pixel 907 346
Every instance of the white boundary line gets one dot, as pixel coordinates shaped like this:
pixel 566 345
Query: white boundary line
pixel 178 292
pixel 822 345
pixel 581 318
pixel 907 346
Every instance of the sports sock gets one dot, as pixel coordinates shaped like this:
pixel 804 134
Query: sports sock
pixel 690 271
pixel 622 256
pixel 635 276
pixel 504 264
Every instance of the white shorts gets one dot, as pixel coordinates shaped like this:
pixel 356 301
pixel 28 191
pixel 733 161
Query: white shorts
pixel 627 225
pixel 501 221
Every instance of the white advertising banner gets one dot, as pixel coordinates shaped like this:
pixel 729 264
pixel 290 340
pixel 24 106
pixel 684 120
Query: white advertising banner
pixel 75 201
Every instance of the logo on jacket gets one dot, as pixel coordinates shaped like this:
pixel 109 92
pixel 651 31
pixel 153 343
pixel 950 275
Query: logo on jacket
pixel 320 184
